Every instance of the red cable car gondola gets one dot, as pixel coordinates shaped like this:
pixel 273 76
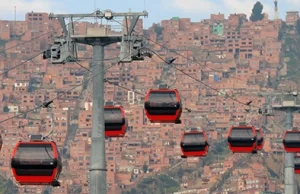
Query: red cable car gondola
pixel 291 141
pixel 259 139
pixel 36 162
pixel 115 124
pixel 242 139
pixel 194 144
pixel 297 164
pixel 163 105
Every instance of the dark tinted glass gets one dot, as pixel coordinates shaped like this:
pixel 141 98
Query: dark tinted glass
pixel 41 170
pixel 241 132
pixel 292 137
pixel 113 115
pixel 193 138
pixel 29 152
pixel 297 163
pixel 157 97
pixel 297 160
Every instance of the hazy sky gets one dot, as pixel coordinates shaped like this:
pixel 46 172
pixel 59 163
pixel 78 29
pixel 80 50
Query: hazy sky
pixel 158 9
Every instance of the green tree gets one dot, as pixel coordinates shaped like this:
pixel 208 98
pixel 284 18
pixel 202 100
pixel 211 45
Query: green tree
pixel 145 168
pixel 282 30
pixel 5 109
pixel 158 29
pixel 298 27
pixel 257 12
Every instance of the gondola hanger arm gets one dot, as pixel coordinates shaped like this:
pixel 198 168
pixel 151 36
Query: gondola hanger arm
pixel 52 124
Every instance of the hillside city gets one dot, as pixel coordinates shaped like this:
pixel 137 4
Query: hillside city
pixel 242 58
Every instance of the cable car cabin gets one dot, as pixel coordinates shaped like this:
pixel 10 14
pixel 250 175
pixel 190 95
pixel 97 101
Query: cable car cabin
pixel 291 141
pixel 259 139
pixel 36 163
pixel 297 164
pixel 194 144
pixel 163 106
pixel 115 125
pixel 242 139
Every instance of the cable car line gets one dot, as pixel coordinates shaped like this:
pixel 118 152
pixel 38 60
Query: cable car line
pixel 39 36
pixel 46 103
pixel 177 53
pixel 169 63
pixel 14 67
pixel 56 153
pixel 172 60
pixel 187 109
pixel 227 96
pixel 106 81
pixel 31 58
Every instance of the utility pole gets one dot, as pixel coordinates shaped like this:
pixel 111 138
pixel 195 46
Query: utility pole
pixel 289 106
pixel 98 38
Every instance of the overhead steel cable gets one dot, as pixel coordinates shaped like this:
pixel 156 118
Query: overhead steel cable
pixel 227 96
pixel 37 37
pixel 197 80
pixel 173 51
pixel 179 54
pixel 45 104
pixel 14 67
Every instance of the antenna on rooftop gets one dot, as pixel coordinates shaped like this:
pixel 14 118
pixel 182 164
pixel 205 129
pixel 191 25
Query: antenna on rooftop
pixel 276 10
pixel 15 23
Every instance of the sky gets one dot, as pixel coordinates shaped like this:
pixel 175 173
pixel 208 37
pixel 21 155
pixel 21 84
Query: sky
pixel 158 9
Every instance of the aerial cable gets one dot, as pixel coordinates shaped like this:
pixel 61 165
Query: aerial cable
pixel 39 36
pixel 31 58
pixel 199 81
pixel 45 104
pixel 177 53
pixel 226 95
pixel 172 60
pixel 14 67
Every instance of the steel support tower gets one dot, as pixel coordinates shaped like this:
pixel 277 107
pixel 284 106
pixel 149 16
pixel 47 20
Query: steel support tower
pixel 98 38
pixel 289 106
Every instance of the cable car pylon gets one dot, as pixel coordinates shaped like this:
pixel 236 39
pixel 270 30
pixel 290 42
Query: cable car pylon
pixel 289 105
pixel 98 38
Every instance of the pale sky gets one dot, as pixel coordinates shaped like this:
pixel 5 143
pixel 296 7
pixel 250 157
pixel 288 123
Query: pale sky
pixel 158 9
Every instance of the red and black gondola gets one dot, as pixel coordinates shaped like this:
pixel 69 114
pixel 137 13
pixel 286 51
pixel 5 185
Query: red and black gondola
pixel 297 164
pixel 163 105
pixel 259 139
pixel 194 144
pixel 36 163
pixel 115 123
pixel 242 139
pixel 291 141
